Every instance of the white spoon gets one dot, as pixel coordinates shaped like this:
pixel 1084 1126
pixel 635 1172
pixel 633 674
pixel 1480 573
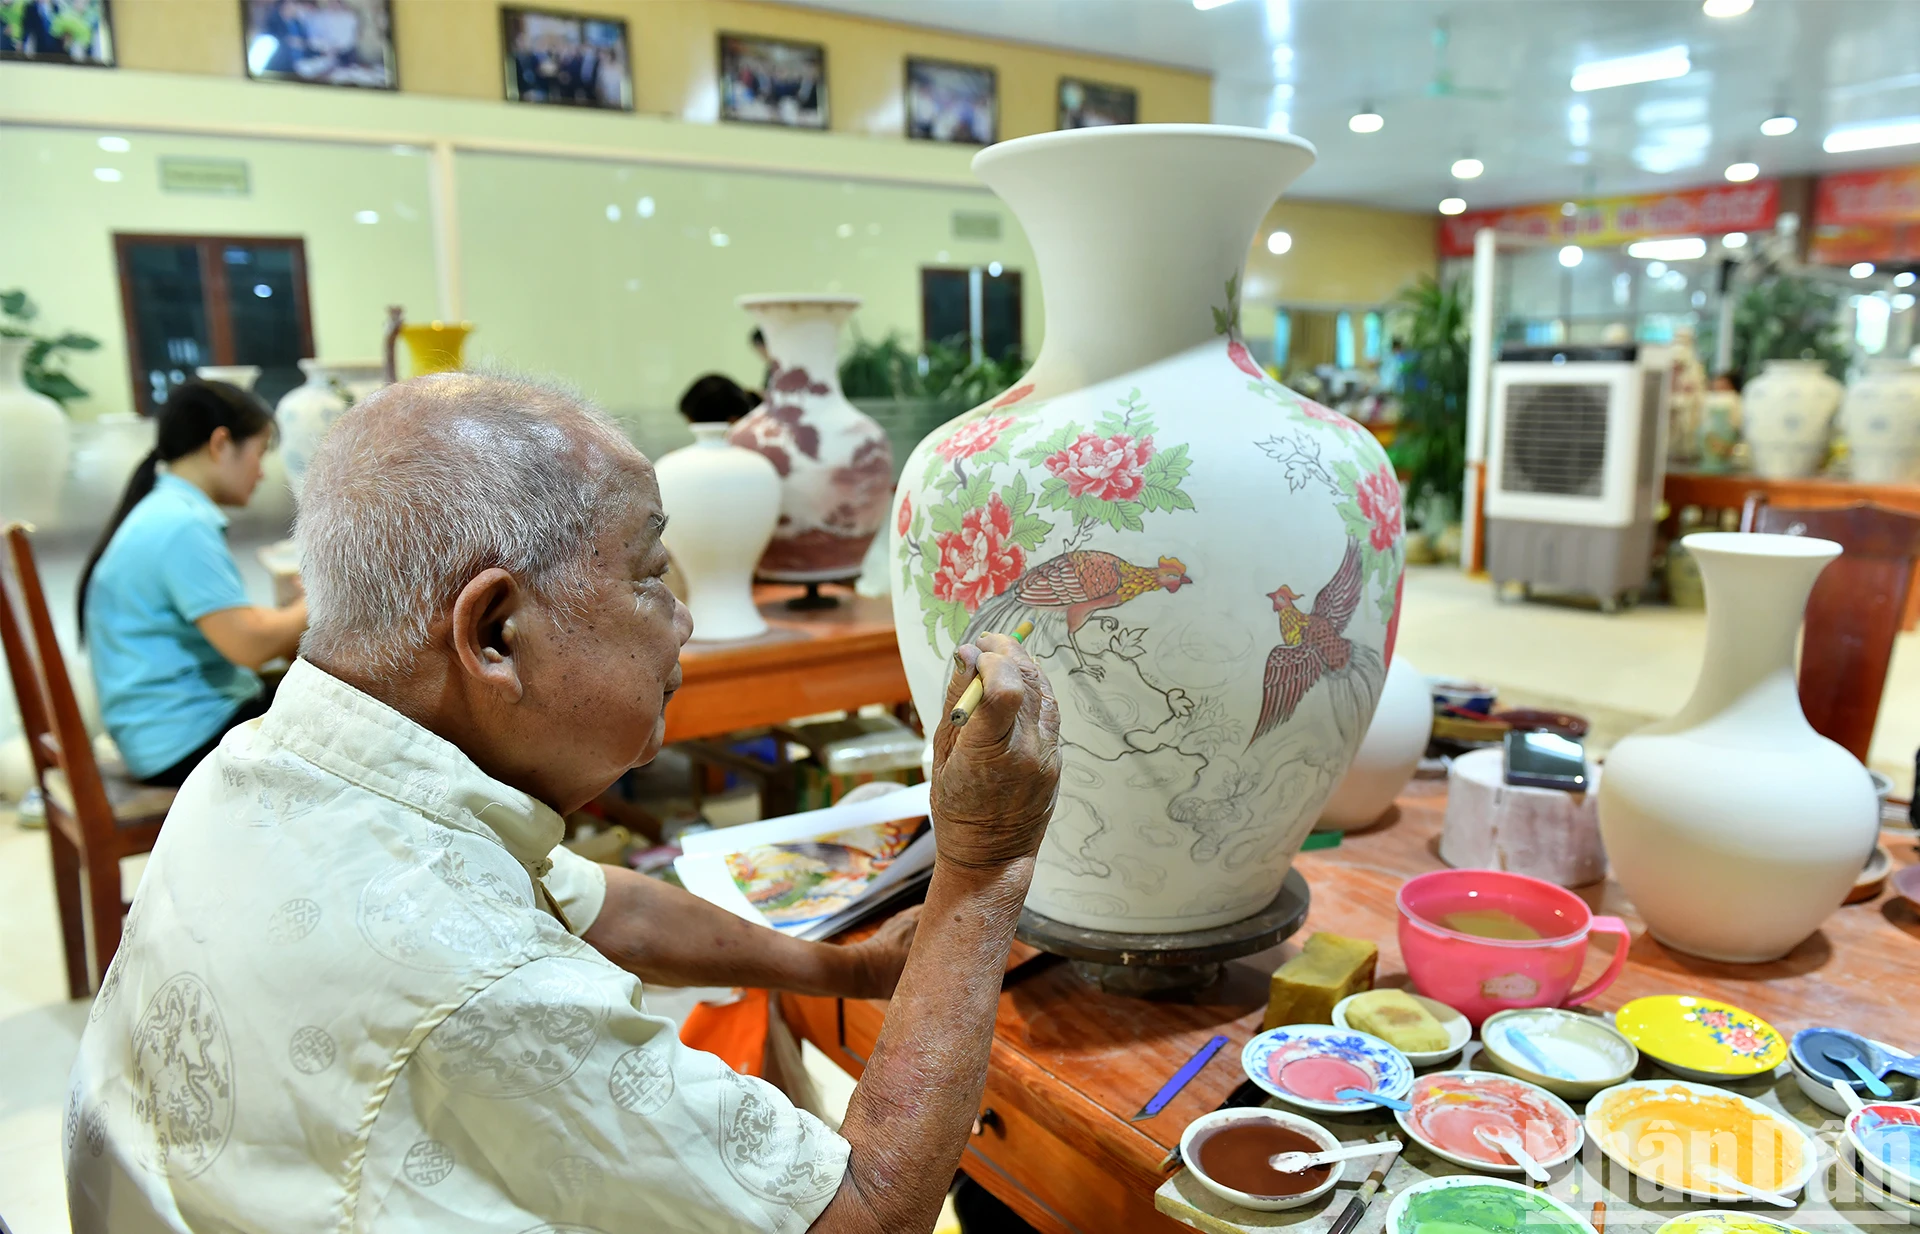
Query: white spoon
pixel 1293 1163
pixel 1720 1178
pixel 1847 1094
pixel 1509 1143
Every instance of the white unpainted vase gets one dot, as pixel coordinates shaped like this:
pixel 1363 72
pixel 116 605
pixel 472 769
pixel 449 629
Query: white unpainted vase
pixel 1388 755
pixel 102 459
pixel 722 504
pixel 1787 411
pixel 1882 419
pixel 1211 562
pixel 242 375
pixel 835 465
pixel 1734 827
pixel 307 411
pixel 34 443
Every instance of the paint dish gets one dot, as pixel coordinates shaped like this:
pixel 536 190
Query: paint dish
pixel 1715 1221
pixel 1887 1139
pixel 1701 1039
pixel 1585 1053
pixel 1451 1107
pixel 1213 1142
pixel 1305 1065
pixel 1459 1031
pixel 1906 1089
pixel 1676 1134
pixel 1464 1204
pixel 1846 1181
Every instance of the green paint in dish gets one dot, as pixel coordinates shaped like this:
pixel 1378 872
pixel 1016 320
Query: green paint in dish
pixel 1482 1210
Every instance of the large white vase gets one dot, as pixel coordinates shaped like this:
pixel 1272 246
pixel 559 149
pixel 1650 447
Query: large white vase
pixel 1787 410
pixel 1882 419
pixel 307 411
pixel 104 453
pixel 1389 754
pixel 33 443
pixel 835 465
pixel 722 503
pixel 1734 827
pixel 1212 562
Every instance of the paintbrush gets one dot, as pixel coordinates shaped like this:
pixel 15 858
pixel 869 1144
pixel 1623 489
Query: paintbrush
pixel 977 689
pixel 1357 1207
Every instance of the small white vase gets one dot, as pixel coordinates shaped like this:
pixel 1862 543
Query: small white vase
pixel 1389 753
pixel 722 504
pixel 33 443
pixel 1882 420
pixel 1734 827
pixel 242 375
pixel 835 463
pixel 308 410
pixel 104 454
pixel 1788 410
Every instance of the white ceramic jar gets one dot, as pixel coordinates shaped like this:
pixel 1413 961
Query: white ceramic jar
pixel 34 443
pixel 1882 421
pixel 1787 411
pixel 1734 827
pixel 1211 562
pixel 722 503
pixel 104 454
pixel 1389 754
pixel 307 411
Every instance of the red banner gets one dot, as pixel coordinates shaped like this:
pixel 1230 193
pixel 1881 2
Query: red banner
pixel 1867 216
pixel 1603 221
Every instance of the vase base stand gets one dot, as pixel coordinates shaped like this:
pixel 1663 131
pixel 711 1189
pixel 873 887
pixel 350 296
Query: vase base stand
pixel 813 600
pixel 1143 965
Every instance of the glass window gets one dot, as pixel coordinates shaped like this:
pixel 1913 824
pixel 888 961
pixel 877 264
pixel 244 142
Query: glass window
pixel 1343 349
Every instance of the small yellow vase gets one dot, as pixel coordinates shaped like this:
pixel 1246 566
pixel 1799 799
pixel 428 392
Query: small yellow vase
pixel 436 346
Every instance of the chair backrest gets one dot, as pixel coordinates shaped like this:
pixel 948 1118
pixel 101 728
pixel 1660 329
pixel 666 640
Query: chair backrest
pixel 62 740
pixel 1854 611
pixel 23 669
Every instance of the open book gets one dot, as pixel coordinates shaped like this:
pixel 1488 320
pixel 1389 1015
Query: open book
pixel 811 875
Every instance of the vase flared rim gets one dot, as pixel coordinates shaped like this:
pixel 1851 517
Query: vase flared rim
pixel 1121 135
pixel 309 365
pixel 1761 544
pixel 802 299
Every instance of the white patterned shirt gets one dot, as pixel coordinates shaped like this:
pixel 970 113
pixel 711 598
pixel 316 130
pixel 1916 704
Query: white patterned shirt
pixel 344 1002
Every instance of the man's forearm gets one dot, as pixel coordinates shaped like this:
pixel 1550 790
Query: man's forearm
pixel 666 936
pixel 908 1119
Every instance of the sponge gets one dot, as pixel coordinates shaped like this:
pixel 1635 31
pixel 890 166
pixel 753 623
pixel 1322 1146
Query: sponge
pixel 1328 969
pixel 1395 1018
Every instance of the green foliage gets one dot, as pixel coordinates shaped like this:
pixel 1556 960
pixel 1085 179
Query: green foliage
pixel 1788 317
pixel 45 369
pixel 943 373
pixel 1430 448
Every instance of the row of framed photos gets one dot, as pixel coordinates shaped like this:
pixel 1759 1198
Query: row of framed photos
pixel 570 59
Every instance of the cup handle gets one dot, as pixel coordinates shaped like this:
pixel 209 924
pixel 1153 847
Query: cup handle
pixel 1618 928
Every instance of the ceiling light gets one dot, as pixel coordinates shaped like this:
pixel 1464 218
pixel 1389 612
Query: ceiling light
pixel 1861 269
pixel 1467 169
pixel 1725 8
pixel 1626 70
pixel 1279 242
pixel 1778 126
pixel 994 269
pixel 1873 136
pixel 366 216
pixel 1366 122
pixel 613 214
pixel 1656 268
pixel 262 290
pixel 1572 255
pixel 1740 173
pixel 115 145
pixel 719 239
pixel 1903 302
pixel 1453 205
pixel 1204 5
pixel 644 207
pixel 1673 248
pixel 1903 279
pixel 110 174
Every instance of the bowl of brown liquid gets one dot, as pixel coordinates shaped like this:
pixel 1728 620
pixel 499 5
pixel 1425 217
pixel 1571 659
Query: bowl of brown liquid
pixel 1228 1151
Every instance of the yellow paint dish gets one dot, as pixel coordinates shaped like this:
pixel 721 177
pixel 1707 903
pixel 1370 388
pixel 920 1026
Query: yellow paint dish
pixel 1680 1135
pixel 1715 1222
pixel 1700 1038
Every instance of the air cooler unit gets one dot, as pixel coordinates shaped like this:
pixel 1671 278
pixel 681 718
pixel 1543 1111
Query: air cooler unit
pixel 1574 468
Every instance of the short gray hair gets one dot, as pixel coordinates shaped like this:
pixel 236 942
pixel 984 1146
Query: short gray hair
pixel 426 483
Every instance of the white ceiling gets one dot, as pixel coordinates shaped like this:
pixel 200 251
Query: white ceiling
pixel 1306 65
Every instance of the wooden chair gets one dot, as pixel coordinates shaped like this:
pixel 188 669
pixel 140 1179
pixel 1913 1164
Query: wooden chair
pixel 1854 611
pixel 92 821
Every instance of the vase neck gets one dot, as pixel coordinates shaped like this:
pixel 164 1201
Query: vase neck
pixel 1141 234
pixel 13 363
pixel 710 436
pixel 803 337
pixel 1756 596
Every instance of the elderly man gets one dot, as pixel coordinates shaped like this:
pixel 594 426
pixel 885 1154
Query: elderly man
pixel 362 989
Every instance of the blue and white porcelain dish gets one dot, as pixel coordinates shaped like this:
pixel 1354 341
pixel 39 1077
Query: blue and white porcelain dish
pixel 1267 1056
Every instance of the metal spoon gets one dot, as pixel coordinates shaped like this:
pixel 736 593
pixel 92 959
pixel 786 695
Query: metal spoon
pixel 1379 1099
pixel 1293 1163
pixel 1509 1143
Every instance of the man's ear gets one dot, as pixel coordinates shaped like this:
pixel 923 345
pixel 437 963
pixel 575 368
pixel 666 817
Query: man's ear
pixel 484 634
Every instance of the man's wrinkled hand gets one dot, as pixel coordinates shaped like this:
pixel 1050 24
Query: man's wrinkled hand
pixel 995 778
pixel 884 954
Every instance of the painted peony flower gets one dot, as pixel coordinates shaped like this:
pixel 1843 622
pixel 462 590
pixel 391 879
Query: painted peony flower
pixel 978 562
pixel 1111 468
pixel 906 514
pixel 973 437
pixel 1379 497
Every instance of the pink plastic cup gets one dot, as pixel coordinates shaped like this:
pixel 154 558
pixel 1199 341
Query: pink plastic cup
pixel 1479 976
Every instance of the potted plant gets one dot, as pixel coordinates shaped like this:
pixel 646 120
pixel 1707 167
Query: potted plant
pixel 1430 449
pixel 912 393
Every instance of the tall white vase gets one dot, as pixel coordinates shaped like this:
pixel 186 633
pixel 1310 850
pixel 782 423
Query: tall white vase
pixel 835 464
pixel 104 453
pixel 1788 410
pixel 1388 756
pixel 1734 827
pixel 1882 419
pixel 722 503
pixel 33 443
pixel 1211 562
pixel 307 411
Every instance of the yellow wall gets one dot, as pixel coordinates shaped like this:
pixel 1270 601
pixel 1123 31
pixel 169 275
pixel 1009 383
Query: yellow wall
pixel 452 48
pixel 1342 255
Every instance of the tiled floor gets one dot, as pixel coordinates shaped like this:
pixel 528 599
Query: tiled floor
pixel 1621 669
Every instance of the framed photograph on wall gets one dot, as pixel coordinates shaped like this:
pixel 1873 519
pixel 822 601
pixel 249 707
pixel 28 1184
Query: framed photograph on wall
pixel 952 102
pixel 323 42
pixel 773 81
pixel 57 32
pixel 1089 104
pixel 567 58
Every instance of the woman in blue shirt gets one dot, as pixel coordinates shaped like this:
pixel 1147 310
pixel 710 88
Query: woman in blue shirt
pixel 175 641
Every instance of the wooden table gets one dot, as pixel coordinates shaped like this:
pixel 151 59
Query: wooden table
pixel 834 659
pixel 1069 1064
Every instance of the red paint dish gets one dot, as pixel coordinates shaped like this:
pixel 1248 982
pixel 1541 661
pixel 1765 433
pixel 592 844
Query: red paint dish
pixel 1449 1107
pixel 1318 1077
